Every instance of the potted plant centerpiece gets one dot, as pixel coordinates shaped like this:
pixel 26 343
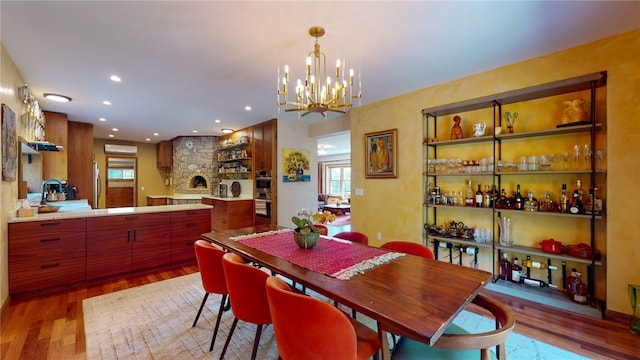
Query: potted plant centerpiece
pixel 306 234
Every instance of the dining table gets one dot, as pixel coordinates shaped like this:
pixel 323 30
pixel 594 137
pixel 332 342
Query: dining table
pixel 406 295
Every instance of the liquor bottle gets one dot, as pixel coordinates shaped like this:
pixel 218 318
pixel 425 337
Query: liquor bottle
pixel 594 204
pixel 564 200
pixel 486 197
pixel 581 192
pixel 494 197
pixel 579 291
pixel 502 200
pixel 537 265
pixel 575 206
pixel 469 196
pixel 505 267
pixel 530 203
pixel 516 271
pixel 478 200
pixel 519 201
pixel 536 282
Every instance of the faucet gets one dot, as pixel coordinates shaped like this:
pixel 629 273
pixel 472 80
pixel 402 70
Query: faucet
pixel 43 201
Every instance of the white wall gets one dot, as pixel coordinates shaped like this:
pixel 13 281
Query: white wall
pixel 293 196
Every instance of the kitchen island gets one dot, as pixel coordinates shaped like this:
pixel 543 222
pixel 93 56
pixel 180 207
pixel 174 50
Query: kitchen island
pixel 66 248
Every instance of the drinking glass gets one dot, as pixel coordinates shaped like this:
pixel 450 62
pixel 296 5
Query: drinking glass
pixel 565 160
pixel 576 157
pixel 586 152
pixel 600 159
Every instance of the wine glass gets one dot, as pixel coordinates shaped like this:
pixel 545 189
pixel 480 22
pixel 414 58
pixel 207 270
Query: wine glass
pixel 586 152
pixel 599 159
pixel 565 160
pixel 576 157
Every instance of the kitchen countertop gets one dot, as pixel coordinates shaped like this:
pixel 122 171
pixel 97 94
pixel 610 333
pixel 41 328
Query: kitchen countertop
pixel 75 214
pixel 227 198
pixel 197 197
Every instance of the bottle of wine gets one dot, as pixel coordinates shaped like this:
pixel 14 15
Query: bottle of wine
pixel 536 282
pixel 505 267
pixel 579 291
pixel 516 271
pixel 469 196
pixel 478 200
pixel 564 200
pixel 537 265
pixel 486 197
pixel 575 206
pixel 519 201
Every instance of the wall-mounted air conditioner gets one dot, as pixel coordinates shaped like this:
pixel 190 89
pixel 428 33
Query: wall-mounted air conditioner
pixel 120 149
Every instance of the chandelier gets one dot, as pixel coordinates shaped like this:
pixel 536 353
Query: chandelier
pixel 318 92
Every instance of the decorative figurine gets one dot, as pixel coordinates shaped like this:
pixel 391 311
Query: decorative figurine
pixel 574 111
pixel 456 130
pixel 511 120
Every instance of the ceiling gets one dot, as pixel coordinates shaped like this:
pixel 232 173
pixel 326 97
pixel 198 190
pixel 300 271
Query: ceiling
pixel 185 64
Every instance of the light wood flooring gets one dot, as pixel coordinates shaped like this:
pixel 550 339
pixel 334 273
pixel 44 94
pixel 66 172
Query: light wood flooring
pixel 52 326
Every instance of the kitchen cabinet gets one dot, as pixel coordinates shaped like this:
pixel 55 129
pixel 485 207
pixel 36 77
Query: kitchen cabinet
pixel 493 160
pixel 46 254
pixel 156 201
pixel 54 163
pixel 230 214
pixel 124 243
pixel 80 151
pixel 164 154
pixel 264 135
pixel 186 227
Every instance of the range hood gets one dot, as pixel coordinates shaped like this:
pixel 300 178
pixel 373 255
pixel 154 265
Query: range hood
pixel 44 146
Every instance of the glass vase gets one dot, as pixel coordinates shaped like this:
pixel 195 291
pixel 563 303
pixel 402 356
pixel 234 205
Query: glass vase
pixel 634 298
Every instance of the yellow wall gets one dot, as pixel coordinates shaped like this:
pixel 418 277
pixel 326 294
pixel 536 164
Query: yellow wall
pixel 393 207
pixel 149 176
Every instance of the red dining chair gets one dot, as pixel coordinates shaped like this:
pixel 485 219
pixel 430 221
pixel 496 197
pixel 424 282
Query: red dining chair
pixel 356 237
pixel 248 297
pixel 309 328
pixel 210 264
pixel 353 236
pixel 409 248
pixel 457 343
pixel 324 230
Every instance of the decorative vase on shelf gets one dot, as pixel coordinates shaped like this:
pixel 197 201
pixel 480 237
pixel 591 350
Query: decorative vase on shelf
pixel 306 241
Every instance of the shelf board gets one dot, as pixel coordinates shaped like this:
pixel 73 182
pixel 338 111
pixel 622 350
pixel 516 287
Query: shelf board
pixel 488 138
pixel 545 132
pixel 544 213
pixel 546 296
pixel 538 252
pixel 460 241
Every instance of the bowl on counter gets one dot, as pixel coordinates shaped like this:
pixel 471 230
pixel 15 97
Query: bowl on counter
pixel 45 209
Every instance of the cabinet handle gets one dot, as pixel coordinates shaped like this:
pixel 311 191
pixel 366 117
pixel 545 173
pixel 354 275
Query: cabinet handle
pixel 129 236
pixel 50 223
pixel 49 240
pixel 134 235
pixel 48 266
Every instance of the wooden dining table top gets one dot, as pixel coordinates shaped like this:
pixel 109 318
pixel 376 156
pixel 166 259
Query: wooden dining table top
pixel 409 296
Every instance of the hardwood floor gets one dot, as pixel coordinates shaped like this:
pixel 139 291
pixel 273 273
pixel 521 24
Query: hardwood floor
pixel 52 327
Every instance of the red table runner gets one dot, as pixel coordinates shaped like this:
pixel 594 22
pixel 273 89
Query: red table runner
pixel 334 257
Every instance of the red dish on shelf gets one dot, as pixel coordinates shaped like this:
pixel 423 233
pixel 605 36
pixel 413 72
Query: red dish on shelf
pixel 582 251
pixel 552 246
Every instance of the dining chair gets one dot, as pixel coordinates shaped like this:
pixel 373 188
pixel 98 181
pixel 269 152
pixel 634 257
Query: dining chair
pixel 324 230
pixel 408 247
pixel 209 260
pixel 309 328
pixel 246 285
pixel 457 343
pixel 353 236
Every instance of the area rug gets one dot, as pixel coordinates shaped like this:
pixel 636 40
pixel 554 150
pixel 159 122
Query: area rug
pixel 154 322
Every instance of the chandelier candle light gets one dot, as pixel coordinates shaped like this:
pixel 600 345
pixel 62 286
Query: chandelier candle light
pixel 318 93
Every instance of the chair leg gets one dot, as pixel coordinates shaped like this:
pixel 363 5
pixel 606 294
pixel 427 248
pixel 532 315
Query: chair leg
pixel 256 342
pixel 226 343
pixel 215 329
pixel 206 295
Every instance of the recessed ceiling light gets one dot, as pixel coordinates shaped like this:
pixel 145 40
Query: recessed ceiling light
pixel 57 97
pixel 195 131
pixel 217 121
pixel 115 78
pixel 114 129
pixel 227 131
pixel 148 139
pixel 107 102
pixel 111 135
pixel 102 119
pixel 155 134
pixel 248 108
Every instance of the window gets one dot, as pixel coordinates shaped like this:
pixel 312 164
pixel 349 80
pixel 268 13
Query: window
pixel 120 174
pixel 339 179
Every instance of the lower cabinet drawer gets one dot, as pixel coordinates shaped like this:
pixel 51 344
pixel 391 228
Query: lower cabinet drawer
pixel 33 275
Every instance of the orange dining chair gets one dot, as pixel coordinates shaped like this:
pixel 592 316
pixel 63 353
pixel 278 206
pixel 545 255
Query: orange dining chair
pixel 457 343
pixel 309 328
pixel 210 264
pixel 353 236
pixel 356 237
pixel 246 285
pixel 409 248
pixel 324 230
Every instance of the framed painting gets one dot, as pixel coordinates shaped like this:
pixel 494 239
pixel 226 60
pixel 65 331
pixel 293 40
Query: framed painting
pixel 295 165
pixel 381 154
pixel 9 145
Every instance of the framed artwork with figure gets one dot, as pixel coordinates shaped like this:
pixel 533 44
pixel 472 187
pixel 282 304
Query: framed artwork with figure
pixel 381 154
pixel 9 145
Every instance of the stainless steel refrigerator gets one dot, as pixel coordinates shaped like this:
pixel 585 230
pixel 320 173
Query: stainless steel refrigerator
pixel 97 186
